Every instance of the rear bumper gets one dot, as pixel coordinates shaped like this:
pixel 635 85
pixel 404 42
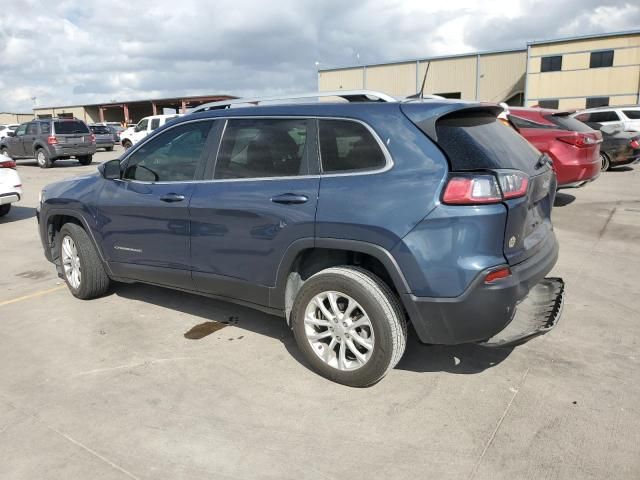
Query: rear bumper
pixel 9 198
pixel 577 175
pixel 483 309
pixel 72 151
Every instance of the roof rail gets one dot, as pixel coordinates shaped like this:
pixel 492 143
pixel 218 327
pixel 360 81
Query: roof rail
pixel 349 95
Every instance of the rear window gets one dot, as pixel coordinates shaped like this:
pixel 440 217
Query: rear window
pixel 476 140
pixel 100 129
pixel 632 114
pixel 69 127
pixel 564 122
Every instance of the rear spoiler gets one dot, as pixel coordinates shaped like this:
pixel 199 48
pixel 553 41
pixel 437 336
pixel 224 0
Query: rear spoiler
pixel 426 114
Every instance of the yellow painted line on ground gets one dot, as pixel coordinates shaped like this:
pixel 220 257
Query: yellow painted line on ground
pixel 32 295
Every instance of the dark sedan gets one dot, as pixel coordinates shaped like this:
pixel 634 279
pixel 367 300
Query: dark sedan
pixel 618 147
pixel 105 138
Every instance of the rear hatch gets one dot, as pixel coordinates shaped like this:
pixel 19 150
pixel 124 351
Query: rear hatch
pixel 102 133
pixel 72 133
pixel 474 141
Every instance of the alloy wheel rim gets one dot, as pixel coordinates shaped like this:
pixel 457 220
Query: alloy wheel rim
pixel 41 158
pixel 604 162
pixel 339 330
pixel 71 262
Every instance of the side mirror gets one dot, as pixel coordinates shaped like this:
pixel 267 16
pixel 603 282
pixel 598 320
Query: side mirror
pixel 11 134
pixel 111 170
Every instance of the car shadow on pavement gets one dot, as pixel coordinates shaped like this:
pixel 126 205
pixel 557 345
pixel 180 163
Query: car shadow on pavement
pixel 563 199
pixel 460 359
pixel 214 315
pixel 18 213
pixel 624 168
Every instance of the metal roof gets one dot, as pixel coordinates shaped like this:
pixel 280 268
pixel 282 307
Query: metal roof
pixel 584 37
pixel 424 59
pixel 144 100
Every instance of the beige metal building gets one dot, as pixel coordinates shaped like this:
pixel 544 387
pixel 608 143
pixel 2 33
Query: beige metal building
pixel 9 118
pixel 592 71
pixel 489 76
pixel 584 72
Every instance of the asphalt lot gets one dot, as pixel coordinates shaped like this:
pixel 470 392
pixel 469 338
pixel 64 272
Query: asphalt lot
pixel 126 387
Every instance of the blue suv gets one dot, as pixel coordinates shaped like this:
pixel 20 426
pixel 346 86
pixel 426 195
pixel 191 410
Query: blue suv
pixel 349 219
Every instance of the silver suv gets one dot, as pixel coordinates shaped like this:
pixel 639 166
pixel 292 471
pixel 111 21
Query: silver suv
pixel 49 140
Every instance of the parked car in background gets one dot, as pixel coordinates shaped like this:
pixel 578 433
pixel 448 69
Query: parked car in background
pixel 105 138
pixel 573 147
pixel 5 129
pixel 623 118
pixel 347 219
pixel 144 127
pixel 618 147
pixel 10 184
pixel 116 130
pixel 48 140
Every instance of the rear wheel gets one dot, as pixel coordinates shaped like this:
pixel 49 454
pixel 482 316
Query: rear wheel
pixel 5 151
pixel 42 157
pixel 349 325
pixel 85 159
pixel 605 164
pixel 4 209
pixel 127 144
pixel 83 271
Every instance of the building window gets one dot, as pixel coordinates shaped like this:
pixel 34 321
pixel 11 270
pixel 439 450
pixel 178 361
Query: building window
pixel 551 64
pixel 450 95
pixel 601 59
pixel 595 102
pixel 549 104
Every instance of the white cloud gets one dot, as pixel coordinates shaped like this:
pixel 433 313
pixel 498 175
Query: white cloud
pixel 72 52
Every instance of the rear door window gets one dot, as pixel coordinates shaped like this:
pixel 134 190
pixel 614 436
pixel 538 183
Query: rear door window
pixel 260 148
pixel 70 127
pixel 32 129
pixel 155 123
pixel 476 141
pixel 45 128
pixel 348 146
pixel 606 116
pixel 632 114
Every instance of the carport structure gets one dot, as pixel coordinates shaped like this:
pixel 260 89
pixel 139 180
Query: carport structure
pixel 131 112
pixel 128 111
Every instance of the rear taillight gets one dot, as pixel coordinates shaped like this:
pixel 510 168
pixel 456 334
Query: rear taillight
pixel 52 140
pixel 92 138
pixel 635 144
pixel 470 190
pixel 8 164
pixel 513 184
pixel 483 189
pixel 579 140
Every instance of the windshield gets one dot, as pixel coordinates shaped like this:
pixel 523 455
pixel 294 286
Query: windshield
pixel 67 127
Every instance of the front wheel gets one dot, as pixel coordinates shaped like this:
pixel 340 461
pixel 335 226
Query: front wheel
pixel 349 325
pixel 4 209
pixel 126 144
pixel 605 164
pixel 83 271
pixel 85 159
pixel 42 157
pixel 5 151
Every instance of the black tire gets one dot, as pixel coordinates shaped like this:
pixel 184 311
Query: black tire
pixel 85 159
pixel 108 149
pixel 126 144
pixel 5 151
pixel 94 281
pixel 4 209
pixel 42 157
pixel 605 163
pixel 383 309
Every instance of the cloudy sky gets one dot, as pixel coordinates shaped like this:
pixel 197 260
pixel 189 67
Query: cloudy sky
pixel 72 52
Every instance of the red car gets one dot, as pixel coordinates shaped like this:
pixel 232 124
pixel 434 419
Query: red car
pixel 573 146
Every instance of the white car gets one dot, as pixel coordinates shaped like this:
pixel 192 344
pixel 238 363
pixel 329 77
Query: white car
pixel 5 129
pixel 624 118
pixel 133 135
pixel 10 184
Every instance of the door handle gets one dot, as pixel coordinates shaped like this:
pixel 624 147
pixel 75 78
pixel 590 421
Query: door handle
pixel 172 197
pixel 290 199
